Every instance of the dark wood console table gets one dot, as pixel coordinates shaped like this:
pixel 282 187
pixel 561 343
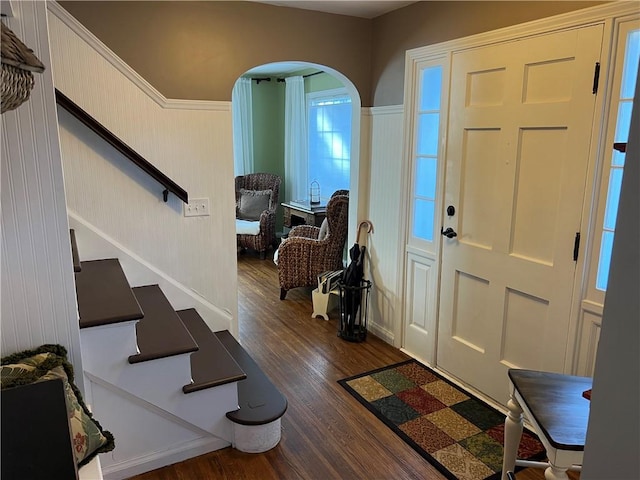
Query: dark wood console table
pixel 303 214
pixel 558 409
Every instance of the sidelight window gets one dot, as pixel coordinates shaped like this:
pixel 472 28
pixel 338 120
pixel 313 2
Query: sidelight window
pixel 622 103
pixel 426 152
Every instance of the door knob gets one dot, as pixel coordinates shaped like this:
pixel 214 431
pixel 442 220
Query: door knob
pixel 449 232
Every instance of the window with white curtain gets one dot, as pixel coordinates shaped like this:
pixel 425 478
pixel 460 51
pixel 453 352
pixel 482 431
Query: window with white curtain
pixel 329 127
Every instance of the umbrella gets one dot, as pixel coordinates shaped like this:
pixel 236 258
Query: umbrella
pixel 351 280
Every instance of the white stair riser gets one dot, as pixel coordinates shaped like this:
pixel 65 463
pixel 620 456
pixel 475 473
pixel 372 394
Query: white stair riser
pixel 159 382
pixel 109 341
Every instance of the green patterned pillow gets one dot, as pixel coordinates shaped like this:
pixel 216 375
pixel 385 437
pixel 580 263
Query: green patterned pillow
pixel 49 362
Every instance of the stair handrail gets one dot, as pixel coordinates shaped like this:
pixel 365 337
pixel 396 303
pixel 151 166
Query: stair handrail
pixel 106 134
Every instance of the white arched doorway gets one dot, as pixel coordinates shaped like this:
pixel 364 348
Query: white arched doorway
pixel 280 70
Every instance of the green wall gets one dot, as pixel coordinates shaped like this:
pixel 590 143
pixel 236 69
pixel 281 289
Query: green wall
pixel 268 127
pixel 322 81
pixel 268 124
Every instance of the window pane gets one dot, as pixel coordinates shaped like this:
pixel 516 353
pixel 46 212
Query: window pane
pixel 329 143
pixel 605 260
pixel 624 121
pixel 613 197
pixel 430 88
pixel 630 64
pixel 428 133
pixel 617 159
pixel 423 219
pixel 426 177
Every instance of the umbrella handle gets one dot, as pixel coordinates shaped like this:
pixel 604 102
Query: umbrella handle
pixel 363 223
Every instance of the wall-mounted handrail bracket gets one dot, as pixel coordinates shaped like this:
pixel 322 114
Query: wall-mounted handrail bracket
pixel 99 129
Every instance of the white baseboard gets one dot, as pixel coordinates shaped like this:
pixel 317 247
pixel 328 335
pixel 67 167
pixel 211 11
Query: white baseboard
pixel 381 333
pixel 153 461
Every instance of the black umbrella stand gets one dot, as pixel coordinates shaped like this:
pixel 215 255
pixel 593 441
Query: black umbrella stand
pixel 354 293
pixel 354 304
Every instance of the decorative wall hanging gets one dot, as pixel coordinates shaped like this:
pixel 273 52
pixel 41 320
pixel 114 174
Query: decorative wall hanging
pixel 18 64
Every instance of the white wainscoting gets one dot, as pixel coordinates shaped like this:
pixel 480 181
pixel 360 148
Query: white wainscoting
pixel 590 322
pixel 191 142
pixel 38 289
pixel 384 250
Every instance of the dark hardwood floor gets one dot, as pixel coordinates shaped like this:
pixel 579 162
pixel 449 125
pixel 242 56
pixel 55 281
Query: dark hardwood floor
pixel 326 434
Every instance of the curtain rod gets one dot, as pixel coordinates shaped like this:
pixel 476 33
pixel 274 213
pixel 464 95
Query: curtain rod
pixel 268 79
pixel 304 76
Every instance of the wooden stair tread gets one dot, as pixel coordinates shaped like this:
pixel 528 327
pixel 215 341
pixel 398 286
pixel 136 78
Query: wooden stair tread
pixel 259 400
pixel 104 294
pixel 211 365
pixel 161 332
pixel 74 252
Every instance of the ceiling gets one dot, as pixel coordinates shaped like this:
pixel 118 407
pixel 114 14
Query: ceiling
pixel 354 8
pixel 279 69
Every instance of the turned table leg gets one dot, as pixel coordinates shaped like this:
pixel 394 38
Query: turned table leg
pixel 512 434
pixel 554 472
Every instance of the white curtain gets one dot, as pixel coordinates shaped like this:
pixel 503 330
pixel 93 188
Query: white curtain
pixel 295 140
pixel 241 112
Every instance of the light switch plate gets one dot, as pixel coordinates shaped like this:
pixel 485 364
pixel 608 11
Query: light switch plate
pixel 197 207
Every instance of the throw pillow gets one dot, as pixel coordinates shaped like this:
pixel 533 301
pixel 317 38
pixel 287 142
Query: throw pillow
pixel 46 363
pixel 253 203
pixel 324 230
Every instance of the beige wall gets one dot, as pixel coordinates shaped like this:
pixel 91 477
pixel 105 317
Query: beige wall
pixel 427 23
pixel 197 50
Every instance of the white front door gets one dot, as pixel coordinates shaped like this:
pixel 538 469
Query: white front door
pixel 518 144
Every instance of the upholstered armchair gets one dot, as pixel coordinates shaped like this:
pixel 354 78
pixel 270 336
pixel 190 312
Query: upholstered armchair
pixel 257 196
pixel 309 250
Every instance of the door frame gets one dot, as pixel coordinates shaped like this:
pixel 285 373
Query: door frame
pixel 607 15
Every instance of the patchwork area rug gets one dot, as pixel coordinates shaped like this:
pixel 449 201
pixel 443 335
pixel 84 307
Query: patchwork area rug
pixel 456 432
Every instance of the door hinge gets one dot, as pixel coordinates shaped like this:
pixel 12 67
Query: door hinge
pixel 596 78
pixel 576 247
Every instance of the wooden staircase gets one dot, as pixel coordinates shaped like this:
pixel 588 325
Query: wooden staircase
pixel 161 381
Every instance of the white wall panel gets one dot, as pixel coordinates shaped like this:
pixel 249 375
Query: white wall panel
pixel 384 247
pixel 38 289
pixel 191 142
pixel 590 325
